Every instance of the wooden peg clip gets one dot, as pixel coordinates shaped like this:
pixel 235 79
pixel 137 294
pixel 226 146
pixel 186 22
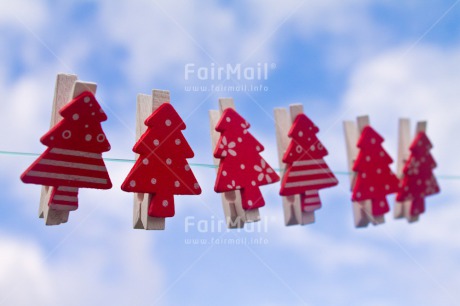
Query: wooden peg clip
pixel 293 213
pixel 146 105
pixel 67 87
pixel 402 209
pixel 235 215
pixel 362 211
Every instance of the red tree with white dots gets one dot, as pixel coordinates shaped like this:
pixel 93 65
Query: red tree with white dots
pixel 418 181
pixel 306 170
pixel 74 156
pixel 374 178
pixel 162 168
pixel 241 167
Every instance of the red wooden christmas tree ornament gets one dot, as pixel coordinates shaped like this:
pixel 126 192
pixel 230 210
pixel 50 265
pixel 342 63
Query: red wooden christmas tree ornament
pixel 162 168
pixel 418 181
pixel 306 170
pixel 374 178
pixel 74 156
pixel 241 167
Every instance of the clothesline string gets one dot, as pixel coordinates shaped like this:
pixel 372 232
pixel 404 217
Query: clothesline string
pixel 199 165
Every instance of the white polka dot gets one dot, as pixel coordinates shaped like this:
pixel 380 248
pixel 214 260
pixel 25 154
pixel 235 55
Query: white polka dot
pixel 132 183
pixel 382 204
pixel 156 142
pixel 86 99
pixel 177 141
pixel 358 194
pixel 75 116
pixel 300 134
pixel 373 141
pixel 387 187
pixel 90 105
pixel 371 188
pixel 66 134
pixel 52 137
pixel 250 203
pixel 164 203
pixel 176 184
pixel 196 186
pixel 368 158
pixel 253 183
pixel 169 161
pixel 153 181
pixel 258 148
pixel 224 173
pixel 382 154
pixel 93 113
pixel 88 137
pixel 312 148
pixel 240 139
pixel 145 161
pixel 242 166
pixel 86 126
pixel 379 170
pixel 228 119
pixel 101 111
pixel 298 149
pixel 363 175
pixel 168 122
pixel 100 137
pixel 187 168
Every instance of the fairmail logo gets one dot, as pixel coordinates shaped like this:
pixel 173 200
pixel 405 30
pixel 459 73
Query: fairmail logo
pixel 237 72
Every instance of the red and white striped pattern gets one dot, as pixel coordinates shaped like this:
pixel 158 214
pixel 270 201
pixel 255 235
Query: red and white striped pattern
pixel 64 198
pixel 62 167
pixel 307 174
pixel 310 200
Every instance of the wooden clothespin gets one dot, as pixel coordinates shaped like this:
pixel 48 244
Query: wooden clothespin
pixel 362 211
pixel 146 105
pixel 305 171
pixel 161 169
pixel 235 215
pixel 64 158
pixel 402 209
pixel 241 167
pixel 293 213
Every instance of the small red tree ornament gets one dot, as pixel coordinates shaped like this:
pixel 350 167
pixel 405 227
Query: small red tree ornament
pixel 374 178
pixel 418 181
pixel 74 156
pixel 241 167
pixel 306 170
pixel 162 168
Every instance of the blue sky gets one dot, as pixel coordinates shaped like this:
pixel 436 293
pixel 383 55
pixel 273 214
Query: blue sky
pixel 341 59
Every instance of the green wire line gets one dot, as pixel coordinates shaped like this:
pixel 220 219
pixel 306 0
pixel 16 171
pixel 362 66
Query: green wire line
pixel 124 160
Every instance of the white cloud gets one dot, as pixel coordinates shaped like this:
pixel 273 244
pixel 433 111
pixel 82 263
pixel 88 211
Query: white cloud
pixel 33 13
pixel 22 270
pixel 93 264
pixel 419 84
